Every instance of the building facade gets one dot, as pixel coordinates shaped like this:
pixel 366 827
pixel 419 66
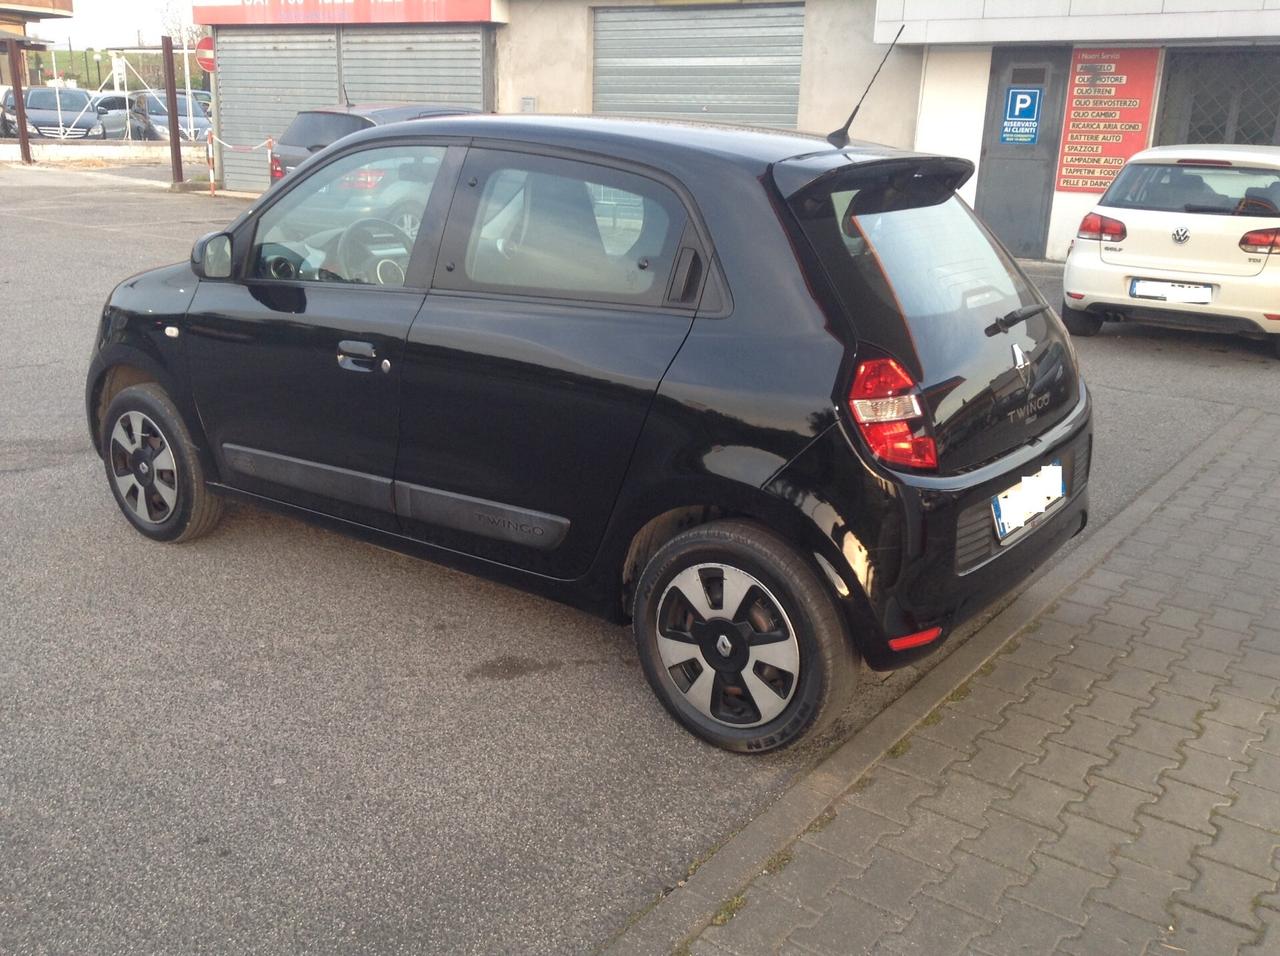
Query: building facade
pixel 1048 99
pixel 14 18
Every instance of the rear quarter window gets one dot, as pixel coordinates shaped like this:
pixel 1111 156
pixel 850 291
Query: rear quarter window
pixel 1215 190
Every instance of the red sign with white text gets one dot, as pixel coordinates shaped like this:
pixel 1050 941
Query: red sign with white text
pixel 1108 116
pixel 290 12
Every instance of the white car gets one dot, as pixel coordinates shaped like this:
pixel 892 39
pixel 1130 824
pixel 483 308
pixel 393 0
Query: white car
pixel 1186 236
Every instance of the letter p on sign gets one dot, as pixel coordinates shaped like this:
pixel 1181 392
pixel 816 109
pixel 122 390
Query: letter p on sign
pixel 1022 104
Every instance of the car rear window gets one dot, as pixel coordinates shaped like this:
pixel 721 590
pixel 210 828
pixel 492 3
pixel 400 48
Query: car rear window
pixel 1182 187
pixel 909 252
pixel 321 129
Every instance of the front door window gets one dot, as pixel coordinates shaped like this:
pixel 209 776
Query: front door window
pixel 354 221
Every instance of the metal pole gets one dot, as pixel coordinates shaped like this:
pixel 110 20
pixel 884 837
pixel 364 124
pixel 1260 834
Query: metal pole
pixel 17 69
pixel 57 93
pixel 171 104
pixel 186 72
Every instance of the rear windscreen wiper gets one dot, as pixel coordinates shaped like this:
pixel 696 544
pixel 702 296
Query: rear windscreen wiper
pixel 1020 314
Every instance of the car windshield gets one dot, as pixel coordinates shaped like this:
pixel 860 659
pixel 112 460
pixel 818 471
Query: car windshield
pixel 46 99
pixel 1204 188
pixel 320 128
pixel 155 107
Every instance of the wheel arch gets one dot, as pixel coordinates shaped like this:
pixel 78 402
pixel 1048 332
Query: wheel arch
pixel 118 367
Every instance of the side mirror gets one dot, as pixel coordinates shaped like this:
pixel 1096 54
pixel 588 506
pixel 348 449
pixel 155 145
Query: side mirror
pixel 211 256
pixel 103 111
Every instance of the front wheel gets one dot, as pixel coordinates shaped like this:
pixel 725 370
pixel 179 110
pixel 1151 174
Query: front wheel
pixel 740 640
pixel 1079 322
pixel 153 469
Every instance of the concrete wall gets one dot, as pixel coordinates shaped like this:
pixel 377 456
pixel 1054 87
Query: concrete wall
pixel 838 60
pixel 953 105
pixel 1028 21
pixel 545 51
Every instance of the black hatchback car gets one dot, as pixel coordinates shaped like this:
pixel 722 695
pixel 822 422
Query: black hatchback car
pixel 781 406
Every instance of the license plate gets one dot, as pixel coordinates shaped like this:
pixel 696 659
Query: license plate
pixel 1033 495
pixel 1195 293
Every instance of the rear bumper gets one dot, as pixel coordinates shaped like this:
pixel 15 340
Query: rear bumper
pixel 917 552
pixel 1239 303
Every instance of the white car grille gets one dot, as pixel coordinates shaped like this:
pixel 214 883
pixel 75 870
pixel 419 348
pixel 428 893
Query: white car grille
pixel 64 133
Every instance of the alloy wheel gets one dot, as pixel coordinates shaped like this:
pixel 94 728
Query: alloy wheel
pixel 143 468
pixel 727 645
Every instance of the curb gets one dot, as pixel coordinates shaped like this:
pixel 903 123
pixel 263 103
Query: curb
pixel 688 909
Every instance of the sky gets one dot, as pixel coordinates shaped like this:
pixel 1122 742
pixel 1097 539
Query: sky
pixel 111 24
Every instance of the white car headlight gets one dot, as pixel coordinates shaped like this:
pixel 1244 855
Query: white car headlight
pixel 95 130
pixel 32 130
pixel 162 130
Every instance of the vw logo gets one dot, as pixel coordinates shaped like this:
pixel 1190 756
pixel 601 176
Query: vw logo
pixel 1181 235
pixel 724 646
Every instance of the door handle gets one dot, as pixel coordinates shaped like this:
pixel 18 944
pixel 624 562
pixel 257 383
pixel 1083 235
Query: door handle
pixel 356 356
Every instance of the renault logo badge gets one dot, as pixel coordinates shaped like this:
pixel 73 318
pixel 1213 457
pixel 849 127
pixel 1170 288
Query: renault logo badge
pixel 1181 235
pixel 1022 365
pixel 724 646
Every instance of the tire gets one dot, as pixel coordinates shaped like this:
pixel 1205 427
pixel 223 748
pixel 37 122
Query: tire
pixel 1079 322
pixel 1275 344
pixel 724 691
pixel 152 467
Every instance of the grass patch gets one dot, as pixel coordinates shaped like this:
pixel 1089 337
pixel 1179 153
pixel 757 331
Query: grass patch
pixel 862 783
pixel 778 862
pixel 728 910
pixel 821 822
pixel 986 669
pixel 932 718
pixel 960 693
pixel 900 748
pixel 1011 646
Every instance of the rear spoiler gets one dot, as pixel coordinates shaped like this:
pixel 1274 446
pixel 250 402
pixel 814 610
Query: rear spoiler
pixel 799 173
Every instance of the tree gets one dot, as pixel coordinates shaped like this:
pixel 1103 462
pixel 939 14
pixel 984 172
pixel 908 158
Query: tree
pixel 175 23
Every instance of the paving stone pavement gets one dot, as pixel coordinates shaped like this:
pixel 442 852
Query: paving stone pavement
pixel 1110 783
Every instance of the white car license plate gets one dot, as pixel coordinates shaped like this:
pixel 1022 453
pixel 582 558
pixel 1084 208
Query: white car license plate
pixel 1195 293
pixel 1033 495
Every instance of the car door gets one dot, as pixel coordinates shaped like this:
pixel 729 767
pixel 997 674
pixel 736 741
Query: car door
pixel 296 364
pixel 531 368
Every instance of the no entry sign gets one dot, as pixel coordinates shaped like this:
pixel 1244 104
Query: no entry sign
pixel 204 54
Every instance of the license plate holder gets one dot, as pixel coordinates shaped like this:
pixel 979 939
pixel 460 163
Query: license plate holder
pixel 1017 506
pixel 1190 293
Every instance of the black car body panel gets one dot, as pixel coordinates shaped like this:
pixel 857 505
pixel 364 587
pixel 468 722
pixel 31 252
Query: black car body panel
pixel 537 440
pixel 77 119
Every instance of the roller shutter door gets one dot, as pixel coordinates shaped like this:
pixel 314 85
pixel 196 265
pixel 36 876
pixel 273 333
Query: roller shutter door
pixel 410 65
pixel 263 78
pixel 732 65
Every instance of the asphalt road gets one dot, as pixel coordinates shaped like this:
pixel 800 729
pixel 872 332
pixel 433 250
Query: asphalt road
pixel 278 738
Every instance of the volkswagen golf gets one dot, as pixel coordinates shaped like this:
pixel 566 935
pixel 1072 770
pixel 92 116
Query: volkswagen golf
pixel 783 407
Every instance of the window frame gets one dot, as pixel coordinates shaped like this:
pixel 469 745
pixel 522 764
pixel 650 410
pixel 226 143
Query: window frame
pixel 485 158
pixel 426 244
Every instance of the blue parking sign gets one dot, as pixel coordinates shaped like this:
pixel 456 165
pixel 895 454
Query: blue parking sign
pixel 1021 125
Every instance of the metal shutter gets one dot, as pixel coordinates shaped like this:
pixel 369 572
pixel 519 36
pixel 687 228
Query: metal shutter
pixel 263 78
pixel 732 65
pixel 415 65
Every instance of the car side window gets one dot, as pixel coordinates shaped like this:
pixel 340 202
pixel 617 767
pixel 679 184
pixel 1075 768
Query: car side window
pixel 354 220
pixel 546 226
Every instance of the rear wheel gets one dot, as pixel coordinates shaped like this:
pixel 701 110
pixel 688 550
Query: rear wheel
pixel 1079 322
pixel 1275 343
pixel 740 640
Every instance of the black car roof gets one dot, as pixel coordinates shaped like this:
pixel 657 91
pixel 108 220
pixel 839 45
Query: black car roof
pixel 749 148
pixel 392 112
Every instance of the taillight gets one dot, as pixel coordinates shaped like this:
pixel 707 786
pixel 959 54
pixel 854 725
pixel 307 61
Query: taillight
pixel 885 405
pixel 1262 241
pixel 277 167
pixel 362 179
pixel 1097 226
